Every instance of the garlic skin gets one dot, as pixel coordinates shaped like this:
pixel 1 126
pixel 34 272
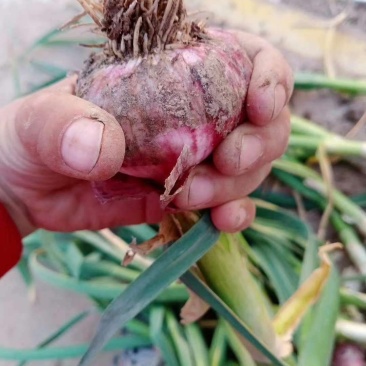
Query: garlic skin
pixel 174 107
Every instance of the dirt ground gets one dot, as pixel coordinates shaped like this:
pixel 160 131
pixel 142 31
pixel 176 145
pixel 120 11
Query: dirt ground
pixel 336 112
pixel 330 8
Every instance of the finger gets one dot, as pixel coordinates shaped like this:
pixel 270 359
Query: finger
pixel 271 85
pixel 249 146
pixel 88 213
pixel 207 188
pixel 234 216
pixel 70 136
pixel 66 85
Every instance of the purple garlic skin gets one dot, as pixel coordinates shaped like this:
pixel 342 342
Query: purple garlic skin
pixel 174 107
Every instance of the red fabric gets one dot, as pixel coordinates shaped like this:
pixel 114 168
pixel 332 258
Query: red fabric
pixel 10 242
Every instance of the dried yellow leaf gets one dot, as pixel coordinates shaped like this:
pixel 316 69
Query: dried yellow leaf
pixel 195 308
pixel 292 312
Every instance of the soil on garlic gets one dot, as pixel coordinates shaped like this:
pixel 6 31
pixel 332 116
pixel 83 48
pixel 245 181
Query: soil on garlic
pixel 176 88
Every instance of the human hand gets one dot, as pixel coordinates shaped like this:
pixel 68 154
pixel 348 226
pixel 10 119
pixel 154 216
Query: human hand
pixel 243 160
pixel 52 144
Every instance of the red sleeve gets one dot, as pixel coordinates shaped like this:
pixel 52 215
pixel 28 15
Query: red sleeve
pixel 10 242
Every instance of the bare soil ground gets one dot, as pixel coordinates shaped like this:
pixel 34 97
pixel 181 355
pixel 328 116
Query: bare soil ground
pixel 336 112
pixel 330 8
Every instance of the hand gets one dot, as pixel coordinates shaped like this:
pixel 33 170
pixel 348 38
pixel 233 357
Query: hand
pixel 52 145
pixel 48 156
pixel 243 160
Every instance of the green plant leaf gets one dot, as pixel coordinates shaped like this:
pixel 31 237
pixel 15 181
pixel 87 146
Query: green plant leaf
pixel 31 243
pixel 160 337
pixel 91 269
pixel 203 291
pixel 41 42
pixel 241 353
pixel 48 68
pixel 23 267
pixel 44 85
pixel 53 251
pixel 42 271
pixel 218 349
pixel 283 200
pixel 61 353
pixel 309 81
pixel 98 242
pixel 107 290
pixel 138 327
pixel 277 263
pixel 74 260
pixel 197 344
pixel 318 338
pixel 165 270
pixel 141 233
pixel 290 225
pixel 347 207
pixel 181 346
pixel 360 200
pixel 350 297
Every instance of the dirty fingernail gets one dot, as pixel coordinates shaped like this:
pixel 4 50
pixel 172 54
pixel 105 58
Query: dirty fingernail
pixel 280 99
pixel 201 191
pixel 251 151
pixel 81 144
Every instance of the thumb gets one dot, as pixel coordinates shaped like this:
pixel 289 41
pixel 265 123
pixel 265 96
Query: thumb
pixel 70 135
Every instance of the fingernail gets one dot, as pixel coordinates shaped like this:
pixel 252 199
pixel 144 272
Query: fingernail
pixel 201 191
pixel 279 100
pixel 81 144
pixel 251 151
pixel 241 218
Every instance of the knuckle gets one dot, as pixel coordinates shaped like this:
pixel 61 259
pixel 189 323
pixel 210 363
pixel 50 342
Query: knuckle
pixel 30 117
pixel 33 107
pixel 28 111
pixel 227 155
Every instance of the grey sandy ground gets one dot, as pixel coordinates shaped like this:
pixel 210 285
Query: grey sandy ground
pixel 24 324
